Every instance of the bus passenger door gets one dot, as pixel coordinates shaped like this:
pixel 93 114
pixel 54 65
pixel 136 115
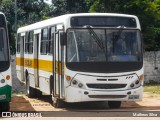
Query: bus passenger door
pixel 36 52
pixel 57 66
pixel 22 57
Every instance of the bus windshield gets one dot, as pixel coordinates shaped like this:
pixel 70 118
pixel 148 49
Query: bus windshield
pixel 3 46
pixel 118 47
pixel 103 45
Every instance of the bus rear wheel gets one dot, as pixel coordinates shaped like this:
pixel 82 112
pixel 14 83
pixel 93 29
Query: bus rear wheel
pixel 4 106
pixel 114 104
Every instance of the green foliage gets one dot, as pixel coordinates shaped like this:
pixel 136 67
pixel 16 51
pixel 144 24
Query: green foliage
pixel 70 6
pixel 7 6
pixel 147 11
pixel 31 11
pixel 105 5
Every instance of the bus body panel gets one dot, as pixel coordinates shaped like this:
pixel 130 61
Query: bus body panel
pixel 96 88
pixel 42 67
pixel 79 95
pixel 6 87
pixel 5 73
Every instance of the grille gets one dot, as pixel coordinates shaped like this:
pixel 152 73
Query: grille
pixel 107 96
pixel 106 86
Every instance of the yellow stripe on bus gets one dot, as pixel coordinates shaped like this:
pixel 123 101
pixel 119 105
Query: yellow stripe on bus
pixel 44 65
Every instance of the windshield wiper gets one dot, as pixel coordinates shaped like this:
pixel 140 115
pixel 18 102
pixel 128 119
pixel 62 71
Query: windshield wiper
pixel 116 37
pixel 119 33
pixel 95 36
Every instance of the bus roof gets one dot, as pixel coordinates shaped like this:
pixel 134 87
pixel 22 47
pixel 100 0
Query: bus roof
pixel 1 13
pixel 63 18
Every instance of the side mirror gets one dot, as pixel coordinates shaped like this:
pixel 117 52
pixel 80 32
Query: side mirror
pixel 63 40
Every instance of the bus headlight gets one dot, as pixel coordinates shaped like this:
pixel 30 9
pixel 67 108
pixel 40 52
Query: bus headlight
pixel 77 83
pixel 80 85
pixel 132 85
pixel 2 80
pixel 74 82
pixel 135 84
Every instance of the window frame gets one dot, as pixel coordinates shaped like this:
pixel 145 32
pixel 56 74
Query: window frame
pixel 50 44
pixel 44 41
pixel 26 43
pixel 18 43
pixel 30 41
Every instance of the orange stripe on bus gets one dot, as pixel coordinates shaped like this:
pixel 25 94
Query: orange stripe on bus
pixel 44 65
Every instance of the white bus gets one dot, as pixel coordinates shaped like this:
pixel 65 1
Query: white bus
pixel 5 67
pixel 82 57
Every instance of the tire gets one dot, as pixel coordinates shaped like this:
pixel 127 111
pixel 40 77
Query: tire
pixel 4 106
pixel 114 104
pixel 57 103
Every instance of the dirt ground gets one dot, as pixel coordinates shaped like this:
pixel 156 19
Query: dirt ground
pixel 150 102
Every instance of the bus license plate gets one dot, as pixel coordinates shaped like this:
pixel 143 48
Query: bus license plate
pixel 2 97
pixel 133 97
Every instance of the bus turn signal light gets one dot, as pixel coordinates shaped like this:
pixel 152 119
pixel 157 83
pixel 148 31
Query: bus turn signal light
pixel 141 77
pixel 68 78
pixel 7 77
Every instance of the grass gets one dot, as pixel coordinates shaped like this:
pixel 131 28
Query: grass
pixel 152 89
pixel 15 94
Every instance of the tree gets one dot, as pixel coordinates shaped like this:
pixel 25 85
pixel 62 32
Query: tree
pixel 7 7
pixel 31 11
pixel 147 11
pixel 69 6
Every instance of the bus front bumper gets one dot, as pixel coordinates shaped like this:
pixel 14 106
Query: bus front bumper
pixel 5 93
pixel 81 95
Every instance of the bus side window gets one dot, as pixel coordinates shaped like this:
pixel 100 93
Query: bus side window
pixel 44 41
pixel 26 42
pixel 18 43
pixel 30 42
pixel 52 31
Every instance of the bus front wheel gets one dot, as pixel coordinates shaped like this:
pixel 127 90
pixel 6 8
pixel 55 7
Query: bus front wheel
pixel 4 106
pixel 114 104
